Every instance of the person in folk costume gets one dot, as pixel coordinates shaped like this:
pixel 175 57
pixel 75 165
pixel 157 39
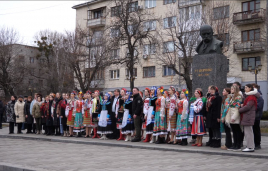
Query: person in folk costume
pixel 160 125
pixel 127 122
pixel 87 114
pixel 171 114
pixel 104 118
pixel 95 108
pixel 43 117
pixel 183 126
pixel 78 120
pixel 146 101
pixel 45 113
pixel 70 113
pixel 61 110
pixel 149 113
pixel 120 112
pixel 198 126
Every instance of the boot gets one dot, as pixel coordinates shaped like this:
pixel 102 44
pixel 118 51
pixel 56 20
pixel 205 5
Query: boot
pixel 147 139
pixel 212 143
pixel 160 140
pixel 65 134
pixel 121 137
pixel 128 138
pixel 103 137
pixel 217 143
pixel 95 133
pixel 184 142
pixel 153 139
pixel 209 142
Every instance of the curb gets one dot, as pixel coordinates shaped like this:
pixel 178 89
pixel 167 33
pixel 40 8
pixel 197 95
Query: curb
pixel 10 168
pixel 251 155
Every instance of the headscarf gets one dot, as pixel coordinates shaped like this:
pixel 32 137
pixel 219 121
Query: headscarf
pixel 155 90
pixel 108 95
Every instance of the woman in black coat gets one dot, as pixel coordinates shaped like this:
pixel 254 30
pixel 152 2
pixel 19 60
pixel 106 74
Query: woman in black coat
pixel 28 116
pixel 214 115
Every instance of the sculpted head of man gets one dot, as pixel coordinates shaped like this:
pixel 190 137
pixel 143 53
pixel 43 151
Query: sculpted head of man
pixel 206 32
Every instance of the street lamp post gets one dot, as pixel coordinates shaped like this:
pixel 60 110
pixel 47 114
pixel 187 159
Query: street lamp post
pixel 255 71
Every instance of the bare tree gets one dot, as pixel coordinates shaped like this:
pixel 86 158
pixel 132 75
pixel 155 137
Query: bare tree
pixel 129 28
pixel 51 57
pixel 11 66
pixel 178 37
pixel 87 54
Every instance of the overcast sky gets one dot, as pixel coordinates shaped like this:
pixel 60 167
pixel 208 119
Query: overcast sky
pixel 29 17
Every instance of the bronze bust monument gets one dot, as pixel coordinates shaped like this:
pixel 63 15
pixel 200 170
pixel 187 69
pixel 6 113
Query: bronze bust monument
pixel 209 44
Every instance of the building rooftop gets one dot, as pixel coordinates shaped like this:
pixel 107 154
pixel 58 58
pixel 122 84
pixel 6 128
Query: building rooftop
pixel 85 4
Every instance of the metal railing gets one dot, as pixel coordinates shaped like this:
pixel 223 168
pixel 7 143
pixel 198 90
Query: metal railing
pixel 249 16
pixel 250 46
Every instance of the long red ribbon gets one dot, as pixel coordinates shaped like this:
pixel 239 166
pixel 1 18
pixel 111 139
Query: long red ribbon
pixel 86 114
pixel 70 114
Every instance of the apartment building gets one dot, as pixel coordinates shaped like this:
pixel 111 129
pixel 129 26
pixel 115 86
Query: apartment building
pixel 244 38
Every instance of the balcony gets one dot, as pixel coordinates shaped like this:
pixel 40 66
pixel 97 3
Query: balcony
pixel 98 22
pixel 187 3
pixel 249 17
pixel 250 46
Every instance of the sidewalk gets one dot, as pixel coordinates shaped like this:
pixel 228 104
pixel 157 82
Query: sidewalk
pixel 263 153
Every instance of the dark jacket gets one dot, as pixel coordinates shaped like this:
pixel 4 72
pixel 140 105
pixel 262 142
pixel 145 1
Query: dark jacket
pixel 29 119
pixel 214 112
pixel 10 112
pixel 137 105
pixel 259 111
pixel 56 120
pixel 248 111
pixel 1 108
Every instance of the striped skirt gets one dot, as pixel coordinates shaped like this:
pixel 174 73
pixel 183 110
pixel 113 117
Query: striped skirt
pixel 70 123
pixel 198 126
pixel 171 123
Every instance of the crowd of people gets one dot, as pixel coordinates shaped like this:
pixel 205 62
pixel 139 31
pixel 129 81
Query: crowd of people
pixel 158 116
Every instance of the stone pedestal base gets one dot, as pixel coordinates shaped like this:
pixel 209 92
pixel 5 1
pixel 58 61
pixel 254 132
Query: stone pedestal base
pixel 209 69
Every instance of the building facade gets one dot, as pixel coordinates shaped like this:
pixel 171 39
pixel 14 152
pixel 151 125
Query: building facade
pixel 240 24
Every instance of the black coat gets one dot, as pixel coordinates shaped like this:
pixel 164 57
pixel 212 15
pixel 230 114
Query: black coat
pixel 2 107
pixel 137 105
pixel 49 121
pixel 29 119
pixel 56 120
pixel 214 113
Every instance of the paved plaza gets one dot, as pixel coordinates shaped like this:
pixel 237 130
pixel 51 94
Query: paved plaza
pixel 39 152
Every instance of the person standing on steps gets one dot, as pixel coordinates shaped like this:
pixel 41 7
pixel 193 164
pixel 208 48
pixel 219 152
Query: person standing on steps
pixel 137 105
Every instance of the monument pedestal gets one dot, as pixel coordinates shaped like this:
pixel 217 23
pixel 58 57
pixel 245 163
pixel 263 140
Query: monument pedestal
pixel 209 69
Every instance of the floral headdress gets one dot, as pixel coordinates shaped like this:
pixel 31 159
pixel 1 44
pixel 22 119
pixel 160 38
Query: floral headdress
pixel 73 92
pixel 161 88
pixel 147 89
pixel 173 89
pixel 88 92
pixel 81 93
pixel 186 92
pixel 125 90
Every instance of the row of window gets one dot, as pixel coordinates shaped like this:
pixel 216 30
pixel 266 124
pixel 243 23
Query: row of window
pixel 167 71
pixel 147 72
